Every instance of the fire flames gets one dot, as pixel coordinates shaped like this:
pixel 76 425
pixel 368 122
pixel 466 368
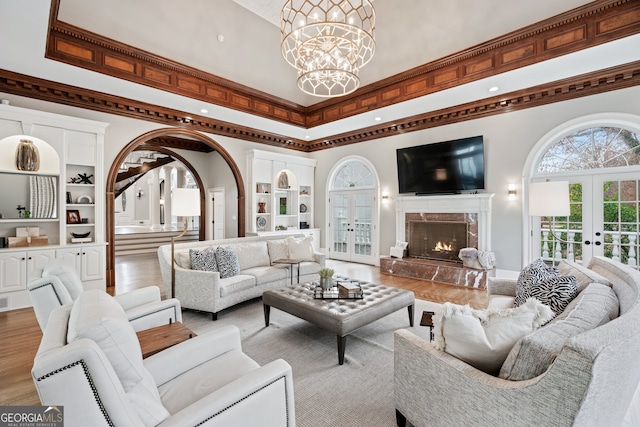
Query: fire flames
pixel 443 247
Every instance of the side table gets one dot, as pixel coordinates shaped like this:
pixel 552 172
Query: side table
pixel 427 320
pixel 159 338
pixel 291 262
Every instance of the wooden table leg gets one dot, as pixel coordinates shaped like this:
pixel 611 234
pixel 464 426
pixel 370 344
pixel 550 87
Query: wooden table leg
pixel 267 311
pixel 410 308
pixel 342 343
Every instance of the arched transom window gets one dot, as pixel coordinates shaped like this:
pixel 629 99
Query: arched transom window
pixel 353 174
pixel 593 148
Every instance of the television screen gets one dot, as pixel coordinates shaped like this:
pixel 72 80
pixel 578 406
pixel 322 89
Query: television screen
pixel 448 167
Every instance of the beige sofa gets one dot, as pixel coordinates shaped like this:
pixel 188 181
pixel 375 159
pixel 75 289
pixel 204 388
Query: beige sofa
pixel 206 291
pixel 583 367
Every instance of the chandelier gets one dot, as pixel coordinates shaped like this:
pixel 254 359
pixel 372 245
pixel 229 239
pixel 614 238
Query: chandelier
pixel 328 41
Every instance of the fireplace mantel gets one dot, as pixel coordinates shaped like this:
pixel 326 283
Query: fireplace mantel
pixel 479 204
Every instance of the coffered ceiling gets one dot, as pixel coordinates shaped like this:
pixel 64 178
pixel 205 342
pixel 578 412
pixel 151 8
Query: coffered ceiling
pixel 435 61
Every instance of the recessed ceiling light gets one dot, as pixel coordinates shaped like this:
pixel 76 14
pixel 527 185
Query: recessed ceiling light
pixel 220 38
pixel 493 88
pixel 307 137
pixel 204 110
pixel 377 119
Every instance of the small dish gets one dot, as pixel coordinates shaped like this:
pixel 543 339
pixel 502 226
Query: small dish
pixel 80 235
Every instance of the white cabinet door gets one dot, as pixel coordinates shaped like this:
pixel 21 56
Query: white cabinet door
pixel 36 262
pixel 93 263
pixel 71 256
pixel 13 272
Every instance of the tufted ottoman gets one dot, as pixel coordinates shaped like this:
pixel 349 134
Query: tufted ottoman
pixel 340 316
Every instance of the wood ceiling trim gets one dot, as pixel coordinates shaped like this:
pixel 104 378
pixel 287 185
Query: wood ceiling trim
pixel 595 23
pixel 585 85
pixel 46 90
pixel 614 78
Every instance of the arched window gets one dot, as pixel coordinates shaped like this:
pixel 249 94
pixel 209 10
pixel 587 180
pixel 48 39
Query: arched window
pixel 353 174
pixel 601 162
pixel 592 148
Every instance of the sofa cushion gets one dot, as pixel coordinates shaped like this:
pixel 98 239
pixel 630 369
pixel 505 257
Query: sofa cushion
pixel 534 353
pixel 278 249
pixel 253 254
pixel 300 249
pixel 545 283
pixel 204 259
pixel 236 283
pixel 268 274
pixel 582 274
pixel 67 275
pixel 97 316
pixel 484 338
pixel 228 264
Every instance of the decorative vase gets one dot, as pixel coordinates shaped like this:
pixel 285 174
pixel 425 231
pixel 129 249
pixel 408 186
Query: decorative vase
pixel 326 283
pixel 261 206
pixel 27 156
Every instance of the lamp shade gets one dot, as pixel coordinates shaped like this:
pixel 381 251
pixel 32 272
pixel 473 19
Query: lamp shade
pixel 185 202
pixel 550 198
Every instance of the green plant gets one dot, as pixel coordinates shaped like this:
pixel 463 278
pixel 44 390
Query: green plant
pixel 27 214
pixel 326 272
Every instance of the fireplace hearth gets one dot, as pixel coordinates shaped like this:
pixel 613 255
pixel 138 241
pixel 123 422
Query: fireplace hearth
pixel 438 240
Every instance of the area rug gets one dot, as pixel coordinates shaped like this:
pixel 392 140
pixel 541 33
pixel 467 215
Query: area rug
pixel 358 393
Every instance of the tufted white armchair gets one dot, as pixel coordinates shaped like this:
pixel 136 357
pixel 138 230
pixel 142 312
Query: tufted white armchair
pixel 61 284
pixel 90 362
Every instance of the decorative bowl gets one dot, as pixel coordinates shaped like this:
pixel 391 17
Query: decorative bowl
pixel 80 235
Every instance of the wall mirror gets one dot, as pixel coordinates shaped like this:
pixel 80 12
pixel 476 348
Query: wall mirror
pixel 28 194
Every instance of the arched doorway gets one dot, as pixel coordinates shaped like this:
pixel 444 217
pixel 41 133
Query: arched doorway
pixel 352 228
pixel 599 156
pixel 142 139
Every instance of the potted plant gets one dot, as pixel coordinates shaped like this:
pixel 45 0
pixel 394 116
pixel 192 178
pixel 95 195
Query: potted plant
pixel 326 281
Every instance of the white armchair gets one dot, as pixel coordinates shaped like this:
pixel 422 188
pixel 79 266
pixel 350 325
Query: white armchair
pixel 90 361
pixel 60 285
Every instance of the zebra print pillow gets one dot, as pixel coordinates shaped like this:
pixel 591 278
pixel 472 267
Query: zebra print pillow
pixel 203 260
pixel 545 283
pixel 228 263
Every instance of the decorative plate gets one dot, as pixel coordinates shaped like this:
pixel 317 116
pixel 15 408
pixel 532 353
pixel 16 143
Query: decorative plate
pixel 86 200
pixel 262 222
pixel 303 208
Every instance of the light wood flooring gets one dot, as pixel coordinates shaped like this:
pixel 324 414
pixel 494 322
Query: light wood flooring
pixel 21 334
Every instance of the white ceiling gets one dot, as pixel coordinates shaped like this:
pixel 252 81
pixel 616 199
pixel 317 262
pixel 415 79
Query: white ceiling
pixel 409 33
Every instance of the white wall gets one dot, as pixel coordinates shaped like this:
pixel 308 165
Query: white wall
pixel 508 139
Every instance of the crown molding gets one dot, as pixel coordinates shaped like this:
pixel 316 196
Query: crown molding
pixel 595 23
pixel 610 79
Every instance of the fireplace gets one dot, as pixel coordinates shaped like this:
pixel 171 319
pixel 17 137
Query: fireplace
pixel 439 240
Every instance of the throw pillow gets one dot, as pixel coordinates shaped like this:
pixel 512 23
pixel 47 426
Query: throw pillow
pixel 300 249
pixel 277 249
pixel 546 285
pixel 228 264
pixel 204 260
pixel 583 274
pixel 484 338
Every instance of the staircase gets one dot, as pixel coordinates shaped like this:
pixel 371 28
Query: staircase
pixel 145 242
pixel 126 178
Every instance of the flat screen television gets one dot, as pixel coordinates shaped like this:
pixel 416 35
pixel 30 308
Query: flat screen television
pixel 448 167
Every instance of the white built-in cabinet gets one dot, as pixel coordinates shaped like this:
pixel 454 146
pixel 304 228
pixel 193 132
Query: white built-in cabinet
pixel 280 194
pixel 69 148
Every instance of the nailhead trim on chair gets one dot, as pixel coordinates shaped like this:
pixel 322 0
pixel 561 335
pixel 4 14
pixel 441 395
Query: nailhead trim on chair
pixel 52 287
pixel 175 313
pixel 235 403
pixel 89 380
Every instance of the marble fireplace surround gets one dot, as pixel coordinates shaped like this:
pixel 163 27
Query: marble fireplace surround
pixel 475 209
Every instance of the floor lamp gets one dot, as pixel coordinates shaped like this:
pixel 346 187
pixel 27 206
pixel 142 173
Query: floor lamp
pixel 550 199
pixel 185 202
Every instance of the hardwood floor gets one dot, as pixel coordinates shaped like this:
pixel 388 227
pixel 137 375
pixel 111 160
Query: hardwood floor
pixel 21 334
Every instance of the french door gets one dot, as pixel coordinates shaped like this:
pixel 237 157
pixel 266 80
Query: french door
pixel 604 220
pixel 351 226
